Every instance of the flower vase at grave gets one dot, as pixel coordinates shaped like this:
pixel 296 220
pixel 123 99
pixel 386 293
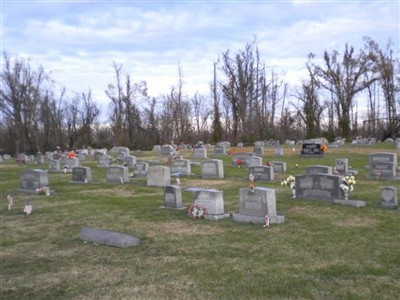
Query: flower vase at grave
pixel 346 194
pixel 294 193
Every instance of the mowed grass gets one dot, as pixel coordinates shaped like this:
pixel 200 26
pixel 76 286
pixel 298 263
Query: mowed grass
pixel 322 251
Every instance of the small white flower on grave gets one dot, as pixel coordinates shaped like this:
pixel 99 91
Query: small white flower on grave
pixel 266 221
pixel 10 201
pixel 28 208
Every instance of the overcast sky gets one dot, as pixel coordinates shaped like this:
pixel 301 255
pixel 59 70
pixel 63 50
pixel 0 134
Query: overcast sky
pixel 78 41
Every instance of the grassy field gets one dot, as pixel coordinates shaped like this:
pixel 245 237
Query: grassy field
pixel 322 251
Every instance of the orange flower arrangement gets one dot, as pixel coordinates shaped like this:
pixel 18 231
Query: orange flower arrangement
pixel 324 147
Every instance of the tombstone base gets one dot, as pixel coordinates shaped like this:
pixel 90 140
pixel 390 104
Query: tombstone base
pixel 354 203
pixel 33 192
pixel 177 208
pixel 108 238
pixel 389 206
pixel 217 217
pixel 258 220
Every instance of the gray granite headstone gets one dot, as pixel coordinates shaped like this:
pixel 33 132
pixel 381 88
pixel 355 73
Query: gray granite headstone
pixel 54 166
pixel 158 176
pixel 258 150
pixel 81 175
pixel 220 150
pixel 254 161
pixel 109 238
pixel 173 197
pixel 212 168
pixel 117 174
pixel 318 169
pixel 244 157
pixel 262 173
pixel 254 206
pixel 167 150
pixel 278 152
pixel 389 197
pixel 199 152
pixel 69 163
pixel 129 161
pixel 324 187
pixel 384 164
pixel 212 200
pixel 104 161
pixel 30 180
pixel 140 169
pixel 279 166
pixel 182 166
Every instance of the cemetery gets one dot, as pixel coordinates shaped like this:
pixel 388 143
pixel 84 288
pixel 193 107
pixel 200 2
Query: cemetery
pixel 235 226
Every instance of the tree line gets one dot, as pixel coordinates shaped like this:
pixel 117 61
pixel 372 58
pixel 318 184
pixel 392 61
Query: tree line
pixel 348 94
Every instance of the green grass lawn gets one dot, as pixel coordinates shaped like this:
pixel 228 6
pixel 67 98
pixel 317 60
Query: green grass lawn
pixel 322 251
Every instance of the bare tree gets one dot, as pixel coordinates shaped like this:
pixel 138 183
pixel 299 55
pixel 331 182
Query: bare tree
pixel 20 97
pixel 345 79
pixel 310 109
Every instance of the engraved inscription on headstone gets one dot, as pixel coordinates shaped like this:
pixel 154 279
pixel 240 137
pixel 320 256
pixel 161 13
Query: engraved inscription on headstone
pixel 173 197
pixel 81 175
pixel 30 180
pixel 262 173
pixel 253 207
pixel 389 197
pixel 318 186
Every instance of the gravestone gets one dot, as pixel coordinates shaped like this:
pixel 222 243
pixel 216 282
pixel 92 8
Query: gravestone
pixel 140 169
pixel 220 150
pixel 258 150
pixel 54 166
pixel 69 163
pixel 273 143
pixel 389 197
pixel 109 238
pixel 244 157
pixel 30 180
pixel 318 169
pixel 278 166
pixel 200 152
pixel 129 161
pixel 181 166
pixel 156 148
pixel 158 176
pixel 167 150
pixel 81 175
pixel 39 159
pixel 324 187
pixel 253 207
pixel 212 168
pixel 117 174
pixel 262 173
pixel 278 152
pixel 212 200
pixel 254 161
pixel 104 161
pixel 383 164
pixel 173 197
pixel 311 149
pixel 342 167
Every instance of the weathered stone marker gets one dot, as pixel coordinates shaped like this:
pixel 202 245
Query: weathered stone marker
pixel 109 238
